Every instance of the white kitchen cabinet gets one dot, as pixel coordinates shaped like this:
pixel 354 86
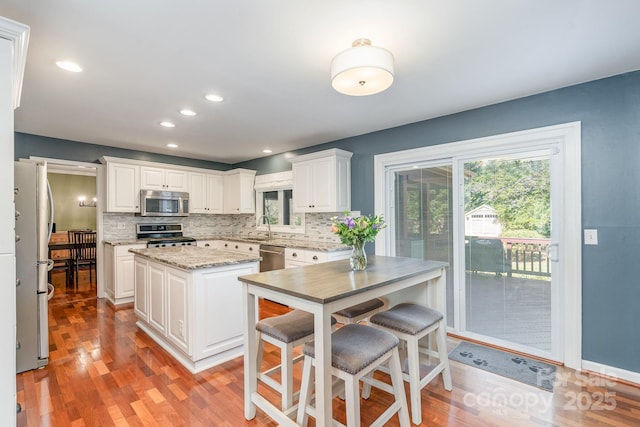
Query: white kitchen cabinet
pixel 322 181
pixel 119 272
pixel 141 301
pixel 300 257
pixel 205 193
pixel 239 195
pixel 157 297
pixel 178 290
pixel 245 247
pixel 153 178
pixel 195 315
pixel 123 187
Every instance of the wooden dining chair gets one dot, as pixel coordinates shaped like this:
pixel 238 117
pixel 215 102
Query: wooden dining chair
pixel 83 252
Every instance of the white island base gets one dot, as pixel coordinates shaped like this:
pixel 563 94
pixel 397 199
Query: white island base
pixel 194 314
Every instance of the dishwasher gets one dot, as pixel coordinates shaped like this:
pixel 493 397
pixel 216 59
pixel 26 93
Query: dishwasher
pixel 272 257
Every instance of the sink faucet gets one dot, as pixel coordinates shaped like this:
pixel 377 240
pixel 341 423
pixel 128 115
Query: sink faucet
pixel 268 225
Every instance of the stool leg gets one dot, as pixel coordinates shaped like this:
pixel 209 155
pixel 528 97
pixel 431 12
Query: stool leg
pixel 398 387
pixel 305 391
pixel 366 387
pixel 352 401
pixel 286 375
pixel 441 340
pixel 414 380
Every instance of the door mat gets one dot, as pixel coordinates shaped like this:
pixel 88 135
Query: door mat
pixel 509 365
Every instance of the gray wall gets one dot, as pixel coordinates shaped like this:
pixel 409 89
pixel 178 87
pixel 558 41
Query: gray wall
pixel 42 146
pixel 609 110
pixel 610 113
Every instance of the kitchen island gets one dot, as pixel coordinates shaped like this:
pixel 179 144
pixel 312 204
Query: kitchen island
pixel 188 300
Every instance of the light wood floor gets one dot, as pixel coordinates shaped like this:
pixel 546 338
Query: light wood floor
pixel 103 371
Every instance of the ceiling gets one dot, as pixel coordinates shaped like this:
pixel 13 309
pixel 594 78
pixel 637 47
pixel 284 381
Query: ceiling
pixel 144 60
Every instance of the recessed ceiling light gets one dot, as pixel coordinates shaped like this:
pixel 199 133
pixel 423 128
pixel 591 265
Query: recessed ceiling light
pixel 69 66
pixel 167 124
pixel 187 112
pixel 214 98
pixel 172 145
pixel 267 151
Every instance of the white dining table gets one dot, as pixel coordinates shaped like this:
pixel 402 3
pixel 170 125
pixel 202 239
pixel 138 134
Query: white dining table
pixel 323 289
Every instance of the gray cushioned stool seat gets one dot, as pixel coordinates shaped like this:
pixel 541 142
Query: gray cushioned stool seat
pixel 354 347
pixel 288 327
pixel 359 309
pixel 407 318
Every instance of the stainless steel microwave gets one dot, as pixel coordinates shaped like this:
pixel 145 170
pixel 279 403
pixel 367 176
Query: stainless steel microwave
pixel 164 203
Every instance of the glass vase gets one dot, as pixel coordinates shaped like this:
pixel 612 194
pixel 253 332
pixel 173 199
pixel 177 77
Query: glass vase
pixel 358 260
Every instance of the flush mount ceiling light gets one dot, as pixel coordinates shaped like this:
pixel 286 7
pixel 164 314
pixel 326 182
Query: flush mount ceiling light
pixel 362 70
pixel 69 66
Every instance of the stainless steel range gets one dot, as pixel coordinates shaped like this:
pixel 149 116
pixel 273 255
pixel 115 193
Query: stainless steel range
pixel 163 235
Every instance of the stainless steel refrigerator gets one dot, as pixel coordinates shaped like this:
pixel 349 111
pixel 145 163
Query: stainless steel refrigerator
pixel 34 219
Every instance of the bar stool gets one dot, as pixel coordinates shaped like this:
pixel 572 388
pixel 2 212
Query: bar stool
pixel 356 351
pixel 360 312
pixel 410 323
pixel 286 332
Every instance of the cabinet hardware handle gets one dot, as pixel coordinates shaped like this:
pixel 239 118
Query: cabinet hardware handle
pixel 294 255
pixel 206 245
pixel 315 257
pixel 236 246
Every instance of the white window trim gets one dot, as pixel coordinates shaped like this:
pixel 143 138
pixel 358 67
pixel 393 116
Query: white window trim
pixel 275 182
pixel 568 136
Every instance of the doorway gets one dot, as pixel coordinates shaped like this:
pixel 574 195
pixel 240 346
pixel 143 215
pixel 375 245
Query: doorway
pixel 74 191
pixel 485 207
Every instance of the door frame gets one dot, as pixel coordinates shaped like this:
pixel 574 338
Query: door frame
pixel 568 138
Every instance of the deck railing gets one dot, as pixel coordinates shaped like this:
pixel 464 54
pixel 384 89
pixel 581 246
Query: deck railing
pixel 527 256
pixel 508 255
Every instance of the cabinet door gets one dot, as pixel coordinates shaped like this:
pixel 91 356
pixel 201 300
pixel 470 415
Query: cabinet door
pixel 141 302
pixel 109 271
pixel 178 310
pixel 123 188
pixel 198 193
pixel 175 180
pixel 157 297
pixel 215 189
pixel 152 178
pixel 323 185
pixel 231 195
pixel 247 193
pixel 302 186
pixel 125 274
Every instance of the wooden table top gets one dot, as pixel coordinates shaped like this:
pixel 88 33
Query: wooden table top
pixel 330 281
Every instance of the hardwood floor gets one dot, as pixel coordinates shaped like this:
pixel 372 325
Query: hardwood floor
pixel 103 371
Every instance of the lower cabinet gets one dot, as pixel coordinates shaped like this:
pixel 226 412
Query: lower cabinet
pixel 119 272
pixel 300 257
pixel 195 315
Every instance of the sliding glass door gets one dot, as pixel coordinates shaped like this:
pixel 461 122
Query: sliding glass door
pixel 506 287
pixel 490 217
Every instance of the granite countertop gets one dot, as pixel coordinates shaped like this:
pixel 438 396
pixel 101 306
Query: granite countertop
pixel 285 243
pixel 194 258
pixel 124 242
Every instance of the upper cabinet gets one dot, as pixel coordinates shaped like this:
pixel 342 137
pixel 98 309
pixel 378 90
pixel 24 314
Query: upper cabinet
pixel 205 193
pixel 154 178
pixel 210 191
pixel 123 187
pixel 322 181
pixel 239 196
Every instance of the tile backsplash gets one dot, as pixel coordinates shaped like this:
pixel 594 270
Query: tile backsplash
pixel 118 226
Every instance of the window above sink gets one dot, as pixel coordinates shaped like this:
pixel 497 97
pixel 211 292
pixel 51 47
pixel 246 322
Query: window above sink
pixel 274 204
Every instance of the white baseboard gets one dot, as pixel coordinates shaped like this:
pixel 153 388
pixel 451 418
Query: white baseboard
pixel 612 372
